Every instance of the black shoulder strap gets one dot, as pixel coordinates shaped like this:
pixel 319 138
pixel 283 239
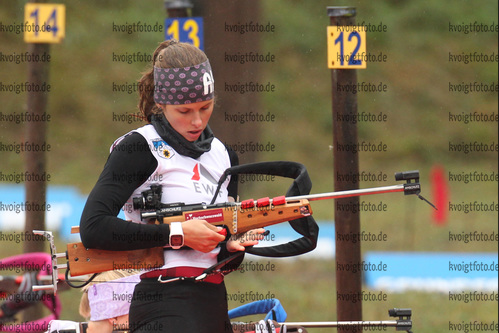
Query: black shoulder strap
pixel 306 226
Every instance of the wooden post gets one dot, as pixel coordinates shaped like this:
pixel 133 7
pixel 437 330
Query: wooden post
pixel 348 255
pixel 36 135
pixel 219 42
pixel 38 74
pixel 178 8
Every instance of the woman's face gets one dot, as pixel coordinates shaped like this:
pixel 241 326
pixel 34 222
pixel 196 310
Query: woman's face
pixel 189 120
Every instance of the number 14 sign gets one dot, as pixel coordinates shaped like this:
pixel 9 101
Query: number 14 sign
pixel 44 23
pixel 346 47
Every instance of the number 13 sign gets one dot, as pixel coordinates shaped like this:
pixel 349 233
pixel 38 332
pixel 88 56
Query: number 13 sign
pixel 346 47
pixel 186 29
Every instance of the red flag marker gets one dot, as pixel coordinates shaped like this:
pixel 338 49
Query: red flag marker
pixel 440 191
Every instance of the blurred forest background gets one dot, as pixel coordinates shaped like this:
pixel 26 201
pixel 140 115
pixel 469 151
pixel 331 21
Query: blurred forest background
pixel 417 132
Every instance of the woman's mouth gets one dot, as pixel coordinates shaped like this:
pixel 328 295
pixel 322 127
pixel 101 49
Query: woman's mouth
pixel 194 134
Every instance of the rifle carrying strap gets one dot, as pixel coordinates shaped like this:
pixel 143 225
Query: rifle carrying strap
pixel 305 226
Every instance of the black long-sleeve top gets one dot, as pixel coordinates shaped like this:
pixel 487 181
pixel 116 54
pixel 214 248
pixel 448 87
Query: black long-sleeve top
pixel 99 223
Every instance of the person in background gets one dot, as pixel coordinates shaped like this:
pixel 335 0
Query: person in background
pixel 105 304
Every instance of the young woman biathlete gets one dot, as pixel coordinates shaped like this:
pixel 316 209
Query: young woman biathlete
pixel 178 151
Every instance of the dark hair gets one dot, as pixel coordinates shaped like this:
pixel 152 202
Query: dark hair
pixel 169 54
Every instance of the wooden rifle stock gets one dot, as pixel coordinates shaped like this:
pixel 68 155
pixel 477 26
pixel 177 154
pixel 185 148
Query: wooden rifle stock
pixel 234 217
pixel 82 261
pixel 238 219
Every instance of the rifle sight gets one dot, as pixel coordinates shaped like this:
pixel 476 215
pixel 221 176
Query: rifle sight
pixel 149 199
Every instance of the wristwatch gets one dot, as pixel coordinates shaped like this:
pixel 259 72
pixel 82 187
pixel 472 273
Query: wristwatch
pixel 176 235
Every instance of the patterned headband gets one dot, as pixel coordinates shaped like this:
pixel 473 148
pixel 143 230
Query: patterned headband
pixel 186 85
pixel 111 299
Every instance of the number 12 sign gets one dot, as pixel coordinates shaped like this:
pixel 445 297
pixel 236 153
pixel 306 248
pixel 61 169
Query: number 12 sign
pixel 185 29
pixel 346 47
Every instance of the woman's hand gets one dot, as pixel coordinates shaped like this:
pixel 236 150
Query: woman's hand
pixel 249 238
pixel 201 235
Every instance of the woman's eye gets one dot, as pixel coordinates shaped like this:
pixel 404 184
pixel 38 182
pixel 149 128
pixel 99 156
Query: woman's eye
pixel 206 107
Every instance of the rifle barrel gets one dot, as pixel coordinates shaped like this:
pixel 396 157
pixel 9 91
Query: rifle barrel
pixel 318 324
pixel 349 193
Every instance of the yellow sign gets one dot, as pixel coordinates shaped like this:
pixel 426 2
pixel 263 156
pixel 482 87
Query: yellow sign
pixel 185 29
pixel 44 23
pixel 346 47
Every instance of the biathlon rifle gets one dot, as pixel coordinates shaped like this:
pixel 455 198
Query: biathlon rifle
pixel 239 217
pixel 403 323
pixel 236 217
pixel 275 320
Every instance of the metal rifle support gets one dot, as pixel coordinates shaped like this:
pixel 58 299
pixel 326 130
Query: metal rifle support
pixel 55 266
pixel 404 323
